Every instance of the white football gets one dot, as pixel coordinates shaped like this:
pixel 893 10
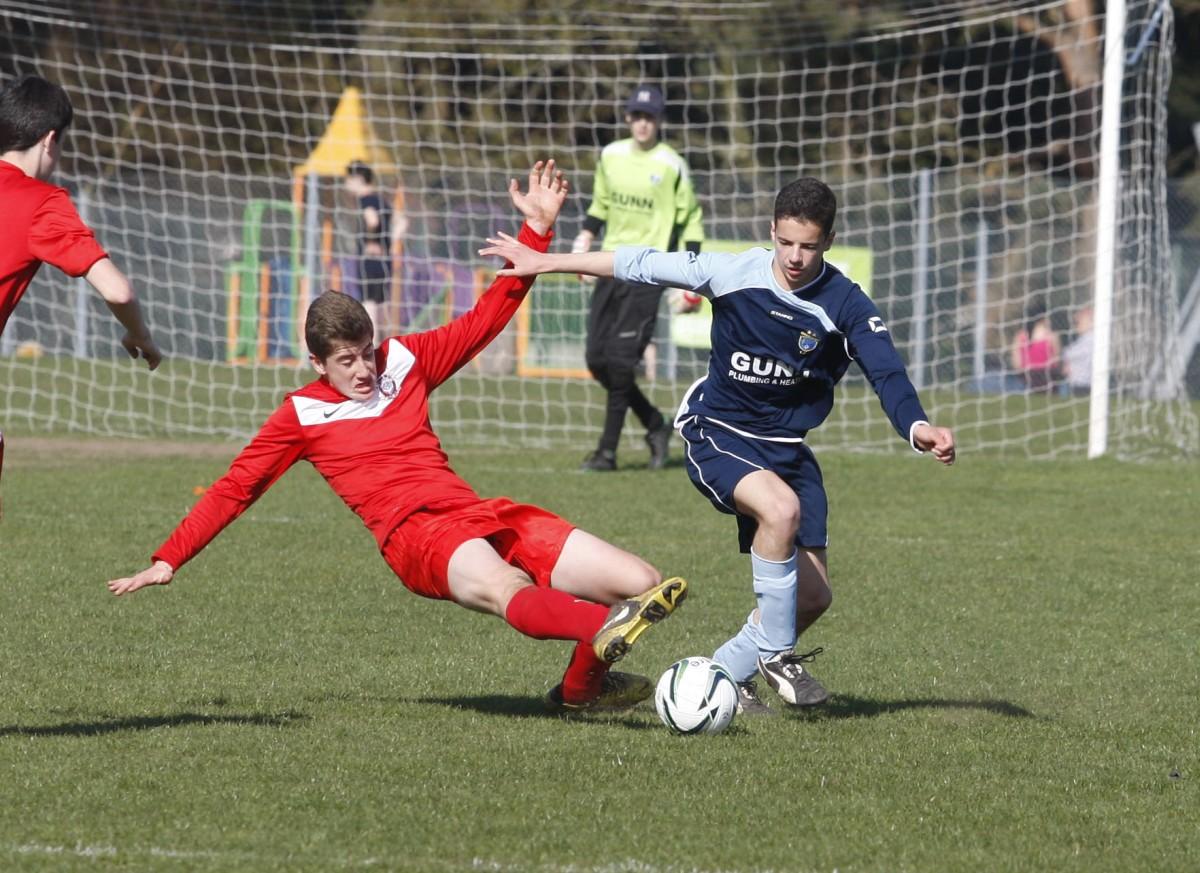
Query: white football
pixel 696 696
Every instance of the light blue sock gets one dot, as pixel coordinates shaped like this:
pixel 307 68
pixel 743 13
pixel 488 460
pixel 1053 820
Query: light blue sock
pixel 775 591
pixel 739 655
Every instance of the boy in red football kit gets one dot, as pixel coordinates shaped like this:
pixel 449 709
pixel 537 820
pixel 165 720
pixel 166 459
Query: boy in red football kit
pixel 38 223
pixel 364 424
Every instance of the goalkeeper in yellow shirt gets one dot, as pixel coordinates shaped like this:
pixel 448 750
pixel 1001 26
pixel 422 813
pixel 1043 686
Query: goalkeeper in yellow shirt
pixel 642 195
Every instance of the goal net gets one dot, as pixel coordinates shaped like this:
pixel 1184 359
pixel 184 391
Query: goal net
pixel 963 141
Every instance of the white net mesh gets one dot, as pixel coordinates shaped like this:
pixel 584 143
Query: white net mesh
pixel 961 138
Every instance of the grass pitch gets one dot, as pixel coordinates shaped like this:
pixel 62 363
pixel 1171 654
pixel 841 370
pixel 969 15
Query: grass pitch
pixel 1012 649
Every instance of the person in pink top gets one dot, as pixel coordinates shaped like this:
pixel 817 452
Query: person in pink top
pixel 39 224
pixel 1035 355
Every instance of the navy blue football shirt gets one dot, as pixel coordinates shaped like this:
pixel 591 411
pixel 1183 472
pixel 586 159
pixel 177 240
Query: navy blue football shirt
pixel 777 354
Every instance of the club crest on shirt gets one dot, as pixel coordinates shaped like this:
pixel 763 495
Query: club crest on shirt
pixel 808 341
pixel 387 386
pixel 655 178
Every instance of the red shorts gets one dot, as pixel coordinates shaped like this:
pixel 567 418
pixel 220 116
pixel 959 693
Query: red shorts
pixel 527 537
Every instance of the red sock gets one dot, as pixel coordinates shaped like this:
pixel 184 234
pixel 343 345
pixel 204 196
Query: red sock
pixel 584 674
pixel 549 614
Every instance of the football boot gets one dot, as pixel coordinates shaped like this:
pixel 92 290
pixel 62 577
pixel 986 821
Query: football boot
pixel 786 675
pixel 749 703
pixel 617 691
pixel 657 440
pixel 599 461
pixel 629 619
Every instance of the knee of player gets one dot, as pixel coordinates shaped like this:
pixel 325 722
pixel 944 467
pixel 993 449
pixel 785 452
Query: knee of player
pixel 492 593
pixel 643 577
pixel 629 579
pixel 781 513
pixel 510 582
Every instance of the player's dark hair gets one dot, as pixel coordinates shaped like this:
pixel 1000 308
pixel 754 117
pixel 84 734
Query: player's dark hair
pixel 358 168
pixel 30 108
pixel 335 317
pixel 807 199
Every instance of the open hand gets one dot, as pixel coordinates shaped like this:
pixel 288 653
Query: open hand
pixel 160 573
pixel 523 261
pixel 547 192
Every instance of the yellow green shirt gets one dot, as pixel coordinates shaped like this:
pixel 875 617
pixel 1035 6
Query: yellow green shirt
pixel 645 198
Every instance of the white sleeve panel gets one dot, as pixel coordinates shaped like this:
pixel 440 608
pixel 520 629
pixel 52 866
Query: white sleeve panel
pixel 687 270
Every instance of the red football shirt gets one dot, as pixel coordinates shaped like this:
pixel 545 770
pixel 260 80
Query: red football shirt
pixel 38 223
pixel 380 455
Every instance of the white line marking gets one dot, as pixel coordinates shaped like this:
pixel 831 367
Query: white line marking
pixel 628 865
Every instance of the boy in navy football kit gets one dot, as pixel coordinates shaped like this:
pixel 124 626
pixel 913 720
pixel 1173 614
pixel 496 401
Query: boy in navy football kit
pixel 786 326
pixel 364 425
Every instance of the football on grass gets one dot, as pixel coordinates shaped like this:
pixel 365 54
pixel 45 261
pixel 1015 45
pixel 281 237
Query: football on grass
pixel 696 696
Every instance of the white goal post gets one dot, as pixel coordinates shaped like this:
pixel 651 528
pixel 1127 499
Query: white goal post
pixel 986 173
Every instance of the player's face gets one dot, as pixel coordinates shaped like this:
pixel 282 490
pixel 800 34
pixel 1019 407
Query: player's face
pixel 800 248
pixel 350 368
pixel 643 127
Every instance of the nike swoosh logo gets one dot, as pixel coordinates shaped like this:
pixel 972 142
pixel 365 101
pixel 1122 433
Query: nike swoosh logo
pixel 626 611
pixel 331 412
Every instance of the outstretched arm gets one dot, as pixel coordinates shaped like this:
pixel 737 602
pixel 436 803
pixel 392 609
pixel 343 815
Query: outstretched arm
pixel 527 262
pixel 445 349
pixel 274 449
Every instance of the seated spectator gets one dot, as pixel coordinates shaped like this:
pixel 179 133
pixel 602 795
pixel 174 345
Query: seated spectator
pixel 1077 356
pixel 1035 353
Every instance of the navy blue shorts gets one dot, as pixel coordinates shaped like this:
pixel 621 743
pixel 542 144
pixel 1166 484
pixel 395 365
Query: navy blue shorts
pixel 717 459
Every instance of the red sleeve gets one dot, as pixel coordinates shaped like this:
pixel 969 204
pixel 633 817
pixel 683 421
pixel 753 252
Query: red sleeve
pixel 58 236
pixel 444 350
pixel 273 450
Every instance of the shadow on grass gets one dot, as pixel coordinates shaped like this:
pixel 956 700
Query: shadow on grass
pixel 850 706
pixel 534 707
pixel 103 726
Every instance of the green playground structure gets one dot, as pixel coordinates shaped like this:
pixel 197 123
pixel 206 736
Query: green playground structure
pixel 264 303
